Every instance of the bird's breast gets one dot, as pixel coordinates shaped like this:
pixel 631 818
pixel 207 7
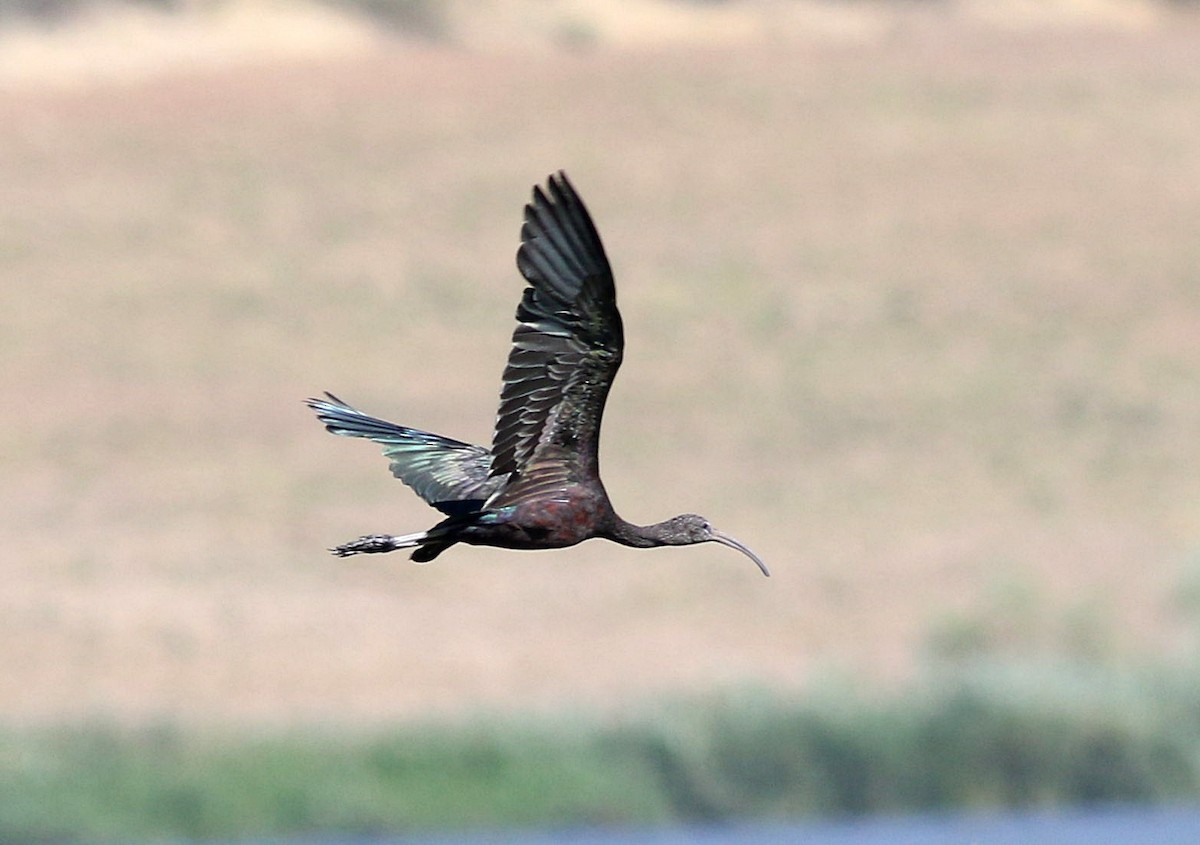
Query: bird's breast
pixel 569 517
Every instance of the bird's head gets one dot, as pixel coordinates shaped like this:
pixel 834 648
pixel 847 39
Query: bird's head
pixel 690 528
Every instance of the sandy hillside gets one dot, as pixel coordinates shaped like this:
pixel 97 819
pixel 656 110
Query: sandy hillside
pixel 916 317
pixel 112 41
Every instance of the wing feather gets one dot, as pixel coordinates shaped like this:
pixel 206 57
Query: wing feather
pixel 448 474
pixel 566 348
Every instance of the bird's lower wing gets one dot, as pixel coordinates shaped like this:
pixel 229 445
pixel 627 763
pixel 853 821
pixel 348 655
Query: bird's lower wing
pixel 450 475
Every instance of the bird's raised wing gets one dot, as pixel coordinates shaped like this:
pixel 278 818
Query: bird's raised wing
pixel 567 345
pixel 448 474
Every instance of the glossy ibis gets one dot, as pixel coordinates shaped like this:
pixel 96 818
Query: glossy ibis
pixel 538 486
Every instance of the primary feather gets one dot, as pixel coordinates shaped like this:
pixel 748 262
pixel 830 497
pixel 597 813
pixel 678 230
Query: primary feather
pixel 448 474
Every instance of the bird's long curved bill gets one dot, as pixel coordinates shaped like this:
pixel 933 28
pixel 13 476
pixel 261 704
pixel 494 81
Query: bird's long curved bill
pixel 733 543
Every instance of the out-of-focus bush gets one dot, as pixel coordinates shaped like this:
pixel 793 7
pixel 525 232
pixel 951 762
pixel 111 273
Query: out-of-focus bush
pixel 426 18
pixel 422 17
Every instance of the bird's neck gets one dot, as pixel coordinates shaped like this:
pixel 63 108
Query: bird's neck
pixel 637 536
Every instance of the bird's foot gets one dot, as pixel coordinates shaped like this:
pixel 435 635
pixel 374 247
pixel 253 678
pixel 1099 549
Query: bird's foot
pixel 367 545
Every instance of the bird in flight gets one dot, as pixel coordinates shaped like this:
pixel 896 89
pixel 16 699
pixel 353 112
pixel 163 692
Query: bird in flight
pixel 538 486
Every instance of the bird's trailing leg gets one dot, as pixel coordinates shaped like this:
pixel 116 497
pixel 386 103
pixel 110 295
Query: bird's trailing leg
pixel 371 544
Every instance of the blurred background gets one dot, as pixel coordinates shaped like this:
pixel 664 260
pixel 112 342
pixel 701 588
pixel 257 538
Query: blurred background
pixel 912 299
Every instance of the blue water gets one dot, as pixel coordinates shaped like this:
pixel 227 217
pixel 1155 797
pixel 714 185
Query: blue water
pixel 1123 826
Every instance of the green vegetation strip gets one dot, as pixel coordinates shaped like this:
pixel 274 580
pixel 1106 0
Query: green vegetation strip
pixel 984 737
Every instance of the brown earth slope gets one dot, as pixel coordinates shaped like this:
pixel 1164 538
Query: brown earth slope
pixel 919 320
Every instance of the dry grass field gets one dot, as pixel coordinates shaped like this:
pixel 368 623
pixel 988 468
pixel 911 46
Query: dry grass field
pixel 917 317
